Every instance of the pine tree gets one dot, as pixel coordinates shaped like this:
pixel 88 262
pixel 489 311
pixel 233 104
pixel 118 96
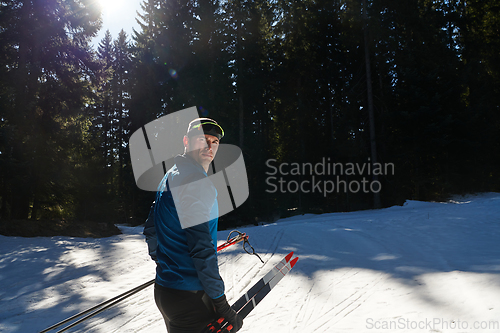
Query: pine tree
pixel 46 88
pixel 121 87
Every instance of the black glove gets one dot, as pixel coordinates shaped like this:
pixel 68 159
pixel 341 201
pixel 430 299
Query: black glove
pixel 224 310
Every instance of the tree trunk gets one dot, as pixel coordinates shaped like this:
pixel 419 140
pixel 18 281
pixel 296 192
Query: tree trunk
pixel 373 145
pixel 239 79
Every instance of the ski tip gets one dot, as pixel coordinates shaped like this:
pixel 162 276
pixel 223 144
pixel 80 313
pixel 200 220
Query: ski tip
pixel 289 256
pixel 293 262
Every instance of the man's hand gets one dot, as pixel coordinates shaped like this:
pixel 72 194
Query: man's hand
pixel 224 310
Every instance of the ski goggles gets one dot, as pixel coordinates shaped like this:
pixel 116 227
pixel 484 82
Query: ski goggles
pixel 208 127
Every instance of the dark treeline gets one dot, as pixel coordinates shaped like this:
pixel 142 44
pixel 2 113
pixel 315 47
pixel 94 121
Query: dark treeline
pixel 414 84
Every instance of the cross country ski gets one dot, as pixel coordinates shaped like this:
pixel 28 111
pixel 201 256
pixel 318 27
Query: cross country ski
pixel 248 301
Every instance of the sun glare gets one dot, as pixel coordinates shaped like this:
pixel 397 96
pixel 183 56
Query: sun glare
pixel 118 15
pixel 108 6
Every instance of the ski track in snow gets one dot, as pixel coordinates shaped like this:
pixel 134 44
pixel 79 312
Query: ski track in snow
pixel 421 267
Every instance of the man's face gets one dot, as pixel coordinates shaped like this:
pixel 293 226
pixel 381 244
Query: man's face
pixel 202 148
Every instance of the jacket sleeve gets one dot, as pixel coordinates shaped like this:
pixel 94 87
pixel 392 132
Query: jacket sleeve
pixel 150 233
pixel 202 252
pixel 196 203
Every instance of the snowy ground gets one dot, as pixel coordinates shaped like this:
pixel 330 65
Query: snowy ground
pixel 422 267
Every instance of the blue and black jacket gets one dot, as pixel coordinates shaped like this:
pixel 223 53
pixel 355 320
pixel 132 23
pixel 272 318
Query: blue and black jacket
pixel 186 258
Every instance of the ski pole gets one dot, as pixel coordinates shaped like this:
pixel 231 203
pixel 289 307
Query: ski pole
pixel 120 297
pixel 238 238
pixel 135 290
pixel 241 236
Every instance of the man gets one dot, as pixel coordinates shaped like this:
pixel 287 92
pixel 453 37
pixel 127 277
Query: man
pixel 189 290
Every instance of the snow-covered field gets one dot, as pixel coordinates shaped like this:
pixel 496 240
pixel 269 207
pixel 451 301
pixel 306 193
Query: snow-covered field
pixel 422 267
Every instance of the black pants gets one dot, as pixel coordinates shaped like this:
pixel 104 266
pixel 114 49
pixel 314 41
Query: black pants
pixel 184 311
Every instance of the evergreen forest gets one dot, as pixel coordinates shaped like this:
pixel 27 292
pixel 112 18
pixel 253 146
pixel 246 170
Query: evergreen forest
pixel 413 84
